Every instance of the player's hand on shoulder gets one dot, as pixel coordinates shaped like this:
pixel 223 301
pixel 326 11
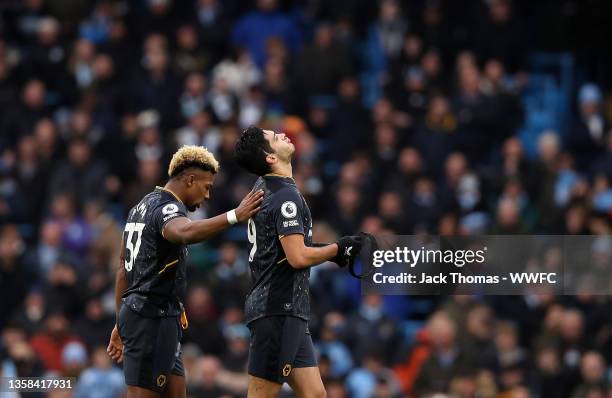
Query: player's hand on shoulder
pixel 250 205
pixel 348 250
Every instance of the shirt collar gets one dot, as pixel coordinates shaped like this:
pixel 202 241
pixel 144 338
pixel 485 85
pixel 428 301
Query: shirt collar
pixel 170 192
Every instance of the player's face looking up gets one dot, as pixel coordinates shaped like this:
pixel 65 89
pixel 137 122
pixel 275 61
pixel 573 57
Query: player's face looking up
pixel 281 145
pixel 263 152
pixel 198 186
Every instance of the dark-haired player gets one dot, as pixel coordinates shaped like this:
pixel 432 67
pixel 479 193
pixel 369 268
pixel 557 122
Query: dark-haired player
pixel 277 308
pixel 151 280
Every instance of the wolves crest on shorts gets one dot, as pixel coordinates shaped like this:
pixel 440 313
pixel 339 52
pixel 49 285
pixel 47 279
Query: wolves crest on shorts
pixel 161 380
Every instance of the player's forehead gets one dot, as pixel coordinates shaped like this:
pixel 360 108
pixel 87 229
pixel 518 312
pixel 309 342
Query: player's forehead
pixel 268 134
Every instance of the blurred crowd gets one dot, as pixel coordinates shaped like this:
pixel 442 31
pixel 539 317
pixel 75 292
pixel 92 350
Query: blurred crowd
pixel 405 117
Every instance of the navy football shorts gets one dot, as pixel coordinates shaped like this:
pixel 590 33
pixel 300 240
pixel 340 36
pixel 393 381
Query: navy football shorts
pixel 278 345
pixel 151 349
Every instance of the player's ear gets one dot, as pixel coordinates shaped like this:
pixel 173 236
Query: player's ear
pixel 271 158
pixel 190 179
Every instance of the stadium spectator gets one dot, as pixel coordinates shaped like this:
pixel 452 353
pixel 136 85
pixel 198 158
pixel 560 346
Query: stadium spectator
pixel 23 115
pixel 549 373
pixel 348 122
pixel 447 357
pixel 587 137
pixel 16 276
pixel 105 248
pixel 434 137
pixel 323 63
pixel 199 132
pixel 64 292
pixel 503 36
pixel 213 28
pixel 95 326
pixel 47 56
pixel 229 276
pixel 50 343
pixel 21 360
pixel 340 358
pixel 506 351
pixel 592 370
pixel 149 175
pixel 371 377
pixel 409 117
pixel 223 102
pixel 239 72
pixel 255 29
pixel 47 140
pixel 385 36
pixel 74 359
pixel 81 174
pixel 157 87
pixel 193 98
pixel 76 235
pixel 203 331
pixel 188 57
pixel 208 383
pixel 102 379
pixel 508 220
pixel 31 316
pixel 369 324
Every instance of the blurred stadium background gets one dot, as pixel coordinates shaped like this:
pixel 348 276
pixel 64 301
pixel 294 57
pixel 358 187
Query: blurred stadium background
pixel 425 116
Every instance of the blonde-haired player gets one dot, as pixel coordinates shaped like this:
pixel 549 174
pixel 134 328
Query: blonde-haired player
pixel 151 279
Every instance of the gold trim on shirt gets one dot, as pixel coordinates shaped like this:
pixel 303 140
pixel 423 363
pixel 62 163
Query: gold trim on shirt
pixel 170 192
pixel 168 265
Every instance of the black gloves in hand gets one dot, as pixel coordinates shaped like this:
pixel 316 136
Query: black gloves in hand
pixel 348 250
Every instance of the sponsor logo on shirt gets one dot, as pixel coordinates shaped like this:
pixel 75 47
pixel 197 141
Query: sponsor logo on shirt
pixel 169 216
pixel 291 223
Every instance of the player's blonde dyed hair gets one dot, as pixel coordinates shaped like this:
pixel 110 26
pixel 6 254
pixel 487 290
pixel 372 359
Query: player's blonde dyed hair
pixel 192 156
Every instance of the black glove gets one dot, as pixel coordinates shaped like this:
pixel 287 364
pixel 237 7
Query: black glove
pixel 348 250
pixel 368 243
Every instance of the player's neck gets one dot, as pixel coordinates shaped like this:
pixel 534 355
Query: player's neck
pixel 282 170
pixel 174 190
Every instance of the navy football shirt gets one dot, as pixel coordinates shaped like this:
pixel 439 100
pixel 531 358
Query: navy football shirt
pixel 277 288
pixel 154 267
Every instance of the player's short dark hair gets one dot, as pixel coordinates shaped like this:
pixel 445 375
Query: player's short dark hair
pixel 251 151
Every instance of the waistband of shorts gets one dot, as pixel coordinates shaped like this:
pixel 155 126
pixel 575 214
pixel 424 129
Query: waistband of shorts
pixel 142 305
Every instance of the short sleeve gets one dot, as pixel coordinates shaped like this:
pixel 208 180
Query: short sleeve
pixel 166 212
pixel 287 212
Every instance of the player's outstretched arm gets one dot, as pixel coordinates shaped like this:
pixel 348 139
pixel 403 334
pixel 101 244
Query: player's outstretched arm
pixel 184 231
pixel 299 255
